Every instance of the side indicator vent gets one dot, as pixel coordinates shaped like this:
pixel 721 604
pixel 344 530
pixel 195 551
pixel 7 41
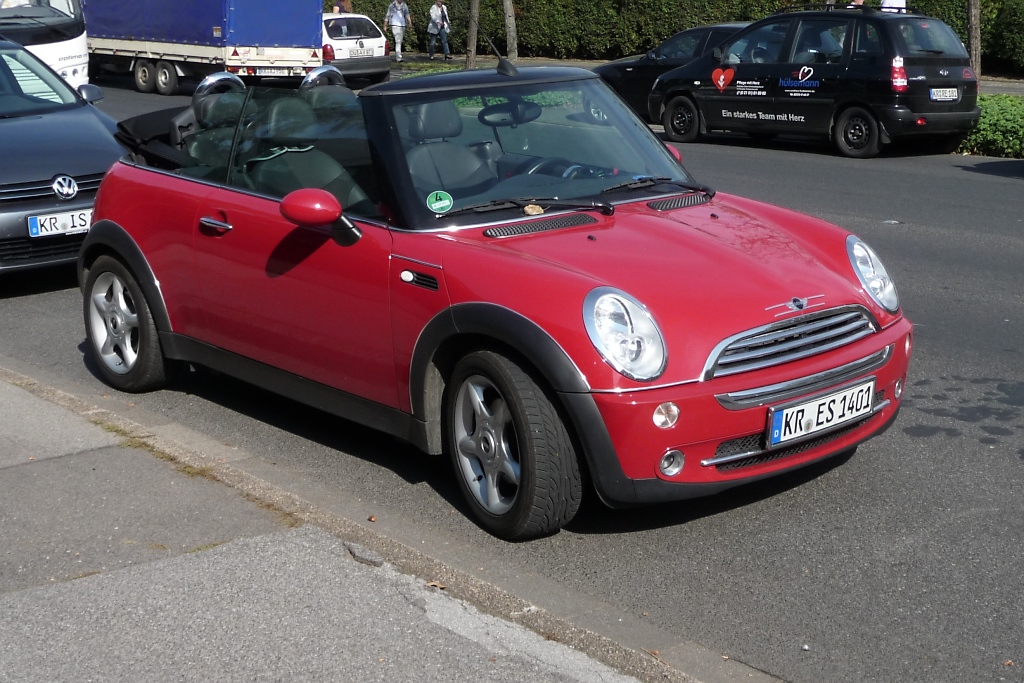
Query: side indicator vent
pixel 679 202
pixel 541 225
pixel 420 280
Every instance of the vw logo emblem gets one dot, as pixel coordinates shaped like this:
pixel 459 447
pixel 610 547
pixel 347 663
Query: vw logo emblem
pixel 65 187
pixel 943 72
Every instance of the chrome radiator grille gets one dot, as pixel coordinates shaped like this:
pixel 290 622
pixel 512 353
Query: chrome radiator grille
pixel 789 340
pixel 43 189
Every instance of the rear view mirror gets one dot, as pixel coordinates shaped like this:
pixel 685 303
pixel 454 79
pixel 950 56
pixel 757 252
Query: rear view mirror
pixel 511 113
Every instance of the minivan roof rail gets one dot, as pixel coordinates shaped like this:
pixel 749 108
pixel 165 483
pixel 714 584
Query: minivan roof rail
pixel 839 5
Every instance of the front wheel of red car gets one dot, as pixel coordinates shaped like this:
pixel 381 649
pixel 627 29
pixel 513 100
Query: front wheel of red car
pixel 681 120
pixel 513 457
pixel 120 330
pixel 856 134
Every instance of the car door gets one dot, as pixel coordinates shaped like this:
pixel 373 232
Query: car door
pixel 678 50
pixel 739 92
pixel 813 77
pixel 285 295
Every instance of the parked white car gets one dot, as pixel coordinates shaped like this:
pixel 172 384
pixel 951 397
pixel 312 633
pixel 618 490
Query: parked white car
pixel 357 47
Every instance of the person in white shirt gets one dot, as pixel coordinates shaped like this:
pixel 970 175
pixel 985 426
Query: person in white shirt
pixel 894 5
pixel 397 17
pixel 438 28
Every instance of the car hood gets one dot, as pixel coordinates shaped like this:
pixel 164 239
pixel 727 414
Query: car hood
pixel 705 273
pixel 75 142
pixel 621 62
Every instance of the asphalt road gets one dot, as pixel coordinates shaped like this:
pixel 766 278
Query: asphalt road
pixel 901 563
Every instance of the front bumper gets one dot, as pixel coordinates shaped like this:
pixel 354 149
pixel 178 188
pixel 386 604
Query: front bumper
pixel 624 447
pixel 899 121
pixel 19 251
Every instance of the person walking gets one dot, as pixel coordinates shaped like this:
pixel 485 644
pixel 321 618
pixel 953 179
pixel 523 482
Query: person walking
pixel 397 17
pixel 439 27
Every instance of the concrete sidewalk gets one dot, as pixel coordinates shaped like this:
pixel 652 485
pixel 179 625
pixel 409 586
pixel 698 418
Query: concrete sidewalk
pixel 120 562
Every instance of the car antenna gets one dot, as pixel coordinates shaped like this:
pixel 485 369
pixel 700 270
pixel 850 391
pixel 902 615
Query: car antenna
pixel 505 67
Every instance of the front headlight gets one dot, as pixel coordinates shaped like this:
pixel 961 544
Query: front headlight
pixel 624 333
pixel 872 274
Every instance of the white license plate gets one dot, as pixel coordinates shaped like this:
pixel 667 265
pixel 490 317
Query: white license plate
pixel 944 94
pixel 273 71
pixel 59 223
pixel 361 52
pixel 820 414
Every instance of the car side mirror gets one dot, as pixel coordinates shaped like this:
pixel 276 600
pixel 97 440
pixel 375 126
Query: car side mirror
pixel 675 153
pixel 312 207
pixel 652 55
pixel 90 93
pixel 716 54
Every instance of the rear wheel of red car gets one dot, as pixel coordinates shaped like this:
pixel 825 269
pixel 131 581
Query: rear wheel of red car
pixel 166 78
pixel 145 75
pixel 856 134
pixel 513 457
pixel 120 330
pixel 681 120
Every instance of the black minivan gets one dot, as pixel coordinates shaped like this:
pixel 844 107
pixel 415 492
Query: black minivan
pixel 859 75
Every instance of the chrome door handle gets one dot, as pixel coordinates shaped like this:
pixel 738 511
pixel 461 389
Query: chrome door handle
pixel 214 224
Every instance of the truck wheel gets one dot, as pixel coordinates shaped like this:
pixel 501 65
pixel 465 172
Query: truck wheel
pixel 513 458
pixel 166 78
pixel 681 120
pixel 145 75
pixel 856 134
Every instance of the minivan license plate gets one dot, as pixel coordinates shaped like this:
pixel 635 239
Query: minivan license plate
pixel 819 414
pixel 59 223
pixel 944 94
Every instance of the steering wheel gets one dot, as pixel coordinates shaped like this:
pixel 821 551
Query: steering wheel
pixel 570 171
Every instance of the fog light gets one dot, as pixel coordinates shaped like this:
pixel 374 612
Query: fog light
pixel 898 391
pixel 671 463
pixel 666 415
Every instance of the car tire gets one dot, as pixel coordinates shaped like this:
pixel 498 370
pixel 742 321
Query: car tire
pixel 681 120
pixel 856 134
pixel 145 75
pixel 513 457
pixel 166 78
pixel 120 331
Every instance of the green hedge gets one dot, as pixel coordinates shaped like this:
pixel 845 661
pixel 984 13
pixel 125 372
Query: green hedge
pixel 606 29
pixel 1000 132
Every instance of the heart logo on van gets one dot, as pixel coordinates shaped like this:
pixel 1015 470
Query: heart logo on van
pixel 722 78
pixel 805 73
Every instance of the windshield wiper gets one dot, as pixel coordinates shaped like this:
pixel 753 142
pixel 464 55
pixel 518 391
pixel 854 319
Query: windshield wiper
pixel 930 50
pixel 548 202
pixel 649 181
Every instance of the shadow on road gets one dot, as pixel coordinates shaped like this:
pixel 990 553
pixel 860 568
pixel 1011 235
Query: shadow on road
pixel 37 281
pixel 1006 168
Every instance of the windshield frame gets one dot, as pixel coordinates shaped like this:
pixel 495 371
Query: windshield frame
pixel 613 118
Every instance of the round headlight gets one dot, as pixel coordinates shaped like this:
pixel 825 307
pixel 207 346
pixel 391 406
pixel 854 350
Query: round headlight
pixel 872 274
pixel 624 333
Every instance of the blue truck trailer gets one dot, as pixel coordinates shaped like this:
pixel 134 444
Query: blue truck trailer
pixel 162 41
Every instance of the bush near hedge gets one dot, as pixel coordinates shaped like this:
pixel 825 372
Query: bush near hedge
pixel 606 29
pixel 1000 132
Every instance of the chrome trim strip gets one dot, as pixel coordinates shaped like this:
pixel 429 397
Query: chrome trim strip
pixel 710 462
pixel 417 262
pixel 759 396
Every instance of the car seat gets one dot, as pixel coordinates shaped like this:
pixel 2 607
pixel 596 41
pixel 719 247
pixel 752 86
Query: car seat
pixel 434 161
pixel 808 48
pixel 289 159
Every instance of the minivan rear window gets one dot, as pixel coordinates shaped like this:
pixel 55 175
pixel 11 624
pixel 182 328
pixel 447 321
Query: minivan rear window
pixel 922 36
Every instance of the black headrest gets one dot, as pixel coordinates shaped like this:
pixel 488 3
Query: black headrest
pixel 435 120
pixel 290 121
pixel 331 97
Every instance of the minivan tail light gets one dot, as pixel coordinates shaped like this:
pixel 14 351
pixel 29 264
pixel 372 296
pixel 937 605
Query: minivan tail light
pixel 328 52
pixel 387 48
pixel 899 76
pixel 969 74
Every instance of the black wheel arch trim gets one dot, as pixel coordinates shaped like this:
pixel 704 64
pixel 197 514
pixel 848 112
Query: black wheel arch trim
pixel 107 237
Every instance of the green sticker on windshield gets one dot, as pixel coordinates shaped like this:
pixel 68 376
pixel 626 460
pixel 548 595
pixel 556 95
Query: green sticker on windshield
pixel 439 201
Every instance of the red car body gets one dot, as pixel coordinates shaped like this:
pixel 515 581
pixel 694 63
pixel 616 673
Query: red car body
pixel 371 330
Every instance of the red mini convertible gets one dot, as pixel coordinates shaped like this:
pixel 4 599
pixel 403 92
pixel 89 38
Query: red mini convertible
pixel 478 264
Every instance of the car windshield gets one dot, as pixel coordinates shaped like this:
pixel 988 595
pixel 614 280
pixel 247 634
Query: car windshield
pixel 339 28
pixel 569 143
pixel 27 87
pixel 924 36
pixel 38 9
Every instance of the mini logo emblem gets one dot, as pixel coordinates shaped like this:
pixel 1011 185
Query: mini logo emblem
pixel 65 187
pixel 797 304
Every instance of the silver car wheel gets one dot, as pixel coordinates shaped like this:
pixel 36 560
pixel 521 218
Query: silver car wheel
pixel 486 444
pixel 115 323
